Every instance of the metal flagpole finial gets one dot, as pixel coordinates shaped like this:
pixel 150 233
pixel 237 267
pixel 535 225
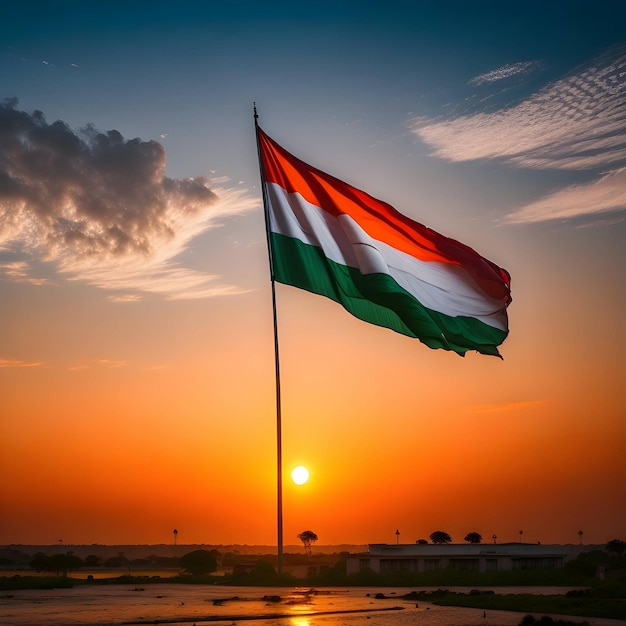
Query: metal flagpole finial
pixel 256 115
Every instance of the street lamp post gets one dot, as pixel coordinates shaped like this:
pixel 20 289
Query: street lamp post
pixel 175 550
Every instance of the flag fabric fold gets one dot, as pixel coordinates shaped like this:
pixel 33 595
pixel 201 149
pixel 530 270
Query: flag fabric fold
pixel 332 239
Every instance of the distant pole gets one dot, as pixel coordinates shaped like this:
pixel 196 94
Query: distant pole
pixel 279 438
pixel 521 533
pixel 397 536
pixel 175 549
pixel 580 537
pixel 495 538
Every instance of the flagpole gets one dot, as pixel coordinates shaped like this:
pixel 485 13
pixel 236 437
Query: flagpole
pixel 279 452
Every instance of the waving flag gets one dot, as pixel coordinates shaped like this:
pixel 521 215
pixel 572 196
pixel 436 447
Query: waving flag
pixel 334 240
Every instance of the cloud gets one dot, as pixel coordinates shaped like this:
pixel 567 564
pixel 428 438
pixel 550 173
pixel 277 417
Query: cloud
pixel 18 271
pixel 606 194
pixel 577 123
pixel 129 297
pixel 100 207
pixel 104 363
pixel 111 364
pixel 5 363
pixel 506 71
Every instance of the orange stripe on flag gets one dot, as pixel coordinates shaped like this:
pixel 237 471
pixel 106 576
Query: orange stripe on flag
pixel 377 218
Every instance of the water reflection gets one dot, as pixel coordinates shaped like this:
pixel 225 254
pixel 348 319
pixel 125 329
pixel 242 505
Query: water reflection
pixel 104 605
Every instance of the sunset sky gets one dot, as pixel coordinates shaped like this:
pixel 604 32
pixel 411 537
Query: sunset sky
pixel 136 345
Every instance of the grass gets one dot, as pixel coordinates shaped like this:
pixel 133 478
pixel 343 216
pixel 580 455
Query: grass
pixel 460 578
pixel 35 582
pixel 585 604
pixel 599 599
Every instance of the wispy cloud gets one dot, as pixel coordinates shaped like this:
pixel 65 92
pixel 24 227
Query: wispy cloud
pixel 19 271
pixel 605 194
pixel 577 123
pixel 129 297
pixel 101 363
pixel 506 71
pixel 110 363
pixel 101 208
pixel 6 363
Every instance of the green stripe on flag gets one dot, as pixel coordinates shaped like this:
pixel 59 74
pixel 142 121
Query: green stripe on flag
pixel 378 299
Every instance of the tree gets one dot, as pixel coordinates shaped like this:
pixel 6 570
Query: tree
pixel 307 537
pixel 40 562
pixel 62 563
pixel 263 571
pixel 439 536
pixel 473 538
pixel 616 546
pixel 117 561
pixel 59 563
pixel 199 562
pixel 421 541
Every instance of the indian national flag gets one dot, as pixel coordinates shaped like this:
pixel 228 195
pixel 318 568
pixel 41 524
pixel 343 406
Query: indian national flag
pixel 334 240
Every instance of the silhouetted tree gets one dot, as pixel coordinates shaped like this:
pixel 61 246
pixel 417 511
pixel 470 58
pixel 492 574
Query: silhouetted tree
pixel 63 563
pixel 582 566
pixel 473 538
pixel 616 546
pixel 307 537
pixel 263 571
pixel 40 562
pixel 59 563
pixel 421 541
pixel 92 561
pixel 159 561
pixel 199 562
pixel 117 561
pixel 439 536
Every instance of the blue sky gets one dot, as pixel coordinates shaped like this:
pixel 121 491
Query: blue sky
pixel 405 81
pixel 137 217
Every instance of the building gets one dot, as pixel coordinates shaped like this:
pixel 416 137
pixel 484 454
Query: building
pixel 479 557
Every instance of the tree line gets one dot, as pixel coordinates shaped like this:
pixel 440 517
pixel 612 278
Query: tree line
pixel 442 537
pixel 203 562
pixel 63 563
pixel 615 546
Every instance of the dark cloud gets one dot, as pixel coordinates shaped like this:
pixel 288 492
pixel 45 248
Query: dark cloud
pixel 79 196
pixel 92 192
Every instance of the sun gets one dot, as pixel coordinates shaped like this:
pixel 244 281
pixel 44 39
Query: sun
pixel 300 475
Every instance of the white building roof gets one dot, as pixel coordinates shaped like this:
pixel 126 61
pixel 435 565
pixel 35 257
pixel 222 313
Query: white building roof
pixel 474 549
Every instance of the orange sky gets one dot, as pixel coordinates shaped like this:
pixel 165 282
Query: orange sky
pixel 175 429
pixel 136 348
